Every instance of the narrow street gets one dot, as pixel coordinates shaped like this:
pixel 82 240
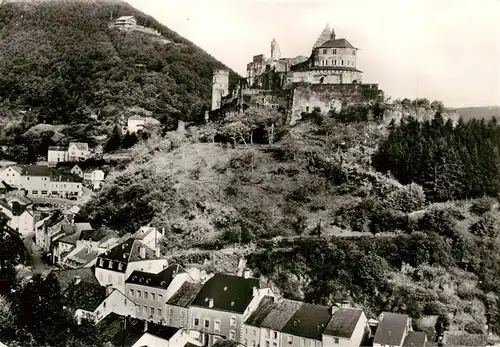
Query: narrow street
pixel 35 261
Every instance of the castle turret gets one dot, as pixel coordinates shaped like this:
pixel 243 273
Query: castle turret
pixel 323 37
pixel 275 50
pixel 220 87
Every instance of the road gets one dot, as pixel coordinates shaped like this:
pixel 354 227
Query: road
pixel 36 262
pixel 87 195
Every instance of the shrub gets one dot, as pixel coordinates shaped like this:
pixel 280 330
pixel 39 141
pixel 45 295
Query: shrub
pixel 483 205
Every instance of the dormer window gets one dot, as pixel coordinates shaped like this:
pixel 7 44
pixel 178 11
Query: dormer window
pixel 120 266
pixel 110 264
pixel 101 262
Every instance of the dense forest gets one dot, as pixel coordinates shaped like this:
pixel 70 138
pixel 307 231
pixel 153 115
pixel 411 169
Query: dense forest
pixel 59 58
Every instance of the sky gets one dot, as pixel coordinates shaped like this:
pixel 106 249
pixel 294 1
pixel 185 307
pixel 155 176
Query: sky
pixel 447 50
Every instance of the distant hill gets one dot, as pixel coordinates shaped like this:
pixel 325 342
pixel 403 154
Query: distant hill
pixel 485 112
pixel 59 58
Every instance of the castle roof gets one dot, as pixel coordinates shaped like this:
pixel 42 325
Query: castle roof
pixel 336 43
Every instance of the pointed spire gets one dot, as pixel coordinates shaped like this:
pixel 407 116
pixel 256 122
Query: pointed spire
pixel 324 36
pixel 332 35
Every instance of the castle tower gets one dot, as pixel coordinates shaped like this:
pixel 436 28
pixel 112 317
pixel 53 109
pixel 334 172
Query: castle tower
pixel 324 36
pixel 220 87
pixel 275 50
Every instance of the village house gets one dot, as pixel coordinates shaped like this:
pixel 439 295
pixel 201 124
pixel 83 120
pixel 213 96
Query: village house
pixel 135 123
pixel 57 154
pixel 35 180
pixel 19 210
pixel 222 305
pixel 126 22
pixel 78 151
pixel 347 327
pixel 67 277
pixel 65 240
pixel 165 336
pixel 11 175
pixel 77 170
pixel 149 236
pixel 177 307
pixel 151 291
pixel 93 178
pixel 393 329
pixel 66 186
pixel 46 228
pixel 93 302
pixel 116 265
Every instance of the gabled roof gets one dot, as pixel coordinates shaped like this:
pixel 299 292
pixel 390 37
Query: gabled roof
pixel 159 280
pixel 15 168
pixel 162 331
pixel 125 17
pixel 391 329
pixel 415 339
pixel 124 253
pixel 66 277
pixel 229 293
pixel 260 313
pixel 337 43
pixel 81 146
pixel 309 321
pixel 82 257
pixel 136 117
pixel 185 295
pixel 110 330
pixel 84 295
pixel 36 170
pixel 343 322
pixel 58 148
pixel 226 343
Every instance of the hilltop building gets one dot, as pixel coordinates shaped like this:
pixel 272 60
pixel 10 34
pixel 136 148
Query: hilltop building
pixel 328 78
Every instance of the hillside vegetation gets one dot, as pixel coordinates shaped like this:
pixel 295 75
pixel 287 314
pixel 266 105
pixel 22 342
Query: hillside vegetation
pixel 59 57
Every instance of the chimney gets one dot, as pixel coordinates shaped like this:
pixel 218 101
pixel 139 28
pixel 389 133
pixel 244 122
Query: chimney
pixel 142 252
pixel 255 292
pixel 109 289
pixel 246 273
pixel 211 303
pixel 145 325
pixel 78 279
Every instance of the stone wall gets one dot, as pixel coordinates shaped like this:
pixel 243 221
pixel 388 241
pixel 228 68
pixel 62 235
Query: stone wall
pixel 331 96
pixel 266 98
pixel 396 111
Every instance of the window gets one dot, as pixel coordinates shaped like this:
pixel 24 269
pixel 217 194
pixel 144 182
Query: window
pixel 196 322
pixel 232 321
pixel 217 325
pixel 341 62
pixel 302 341
pixel 334 51
pixel 268 344
pixel 152 311
pixel 171 311
pixel 35 192
pixel 120 266
pixel 268 333
pixel 348 63
pixel 275 344
pixel 245 342
pixel 160 297
pixel 336 340
pixel 44 192
pixel 353 52
pixel 104 304
pixel 253 343
pixel 144 310
pixel 160 312
pixel 232 335
pixel 139 294
pixel 153 296
pixel 290 340
pixel 335 62
pixel 275 334
pixel 110 265
pixel 125 301
pixel 101 262
pixel 110 278
pixel 325 51
pixel 145 295
pixel 207 323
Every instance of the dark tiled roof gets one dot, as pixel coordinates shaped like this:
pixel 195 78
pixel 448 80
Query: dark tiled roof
pixel 390 330
pixel 97 235
pixel 124 253
pixel 62 176
pixel 58 148
pixel 337 43
pixel 229 293
pixel 226 343
pixel 83 257
pixel 280 314
pixel 309 321
pixel 260 313
pixel 159 280
pixel 162 331
pixel 185 295
pixel 66 277
pixel 415 339
pixel 343 322
pixel 81 146
pixel 84 295
pixel 36 170
pixel 110 330
pixel 55 218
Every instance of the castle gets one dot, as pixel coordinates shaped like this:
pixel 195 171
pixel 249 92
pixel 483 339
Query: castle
pixel 327 79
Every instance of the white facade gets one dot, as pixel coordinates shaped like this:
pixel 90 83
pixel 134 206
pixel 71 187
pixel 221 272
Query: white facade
pixel 36 185
pixel 24 223
pixel 179 339
pixel 95 177
pixel 11 176
pixel 63 189
pixel 78 151
pixel 76 170
pixel 356 338
pixel 57 155
pixel 116 302
pixel 135 123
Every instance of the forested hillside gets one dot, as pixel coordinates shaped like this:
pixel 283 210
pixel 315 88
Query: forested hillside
pixel 59 59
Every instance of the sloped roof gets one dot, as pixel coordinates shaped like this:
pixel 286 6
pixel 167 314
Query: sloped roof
pixel 126 252
pixel 185 295
pixel 337 43
pixel 84 295
pixel 81 146
pixel 83 257
pixel 136 117
pixel 125 17
pixel 390 330
pixel 260 313
pixel 159 280
pixel 36 170
pixel 229 293
pixel 162 331
pixel 66 277
pixel 58 148
pixel 281 313
pixel 226 343
pixel 343 322
pixel 309 321
pixel 415 339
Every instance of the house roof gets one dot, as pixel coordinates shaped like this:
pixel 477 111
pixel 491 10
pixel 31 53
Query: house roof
pixel 82 257
pixel 160 280
pixel 125 17
pixel 126 252
pixel 162 331
pixel 343 322
pixel 84 295
pixel 415 339
pixel 58 148
pixel 15 168
pixel 110 329
pixel 261 311
pixel 81 146
pixel 62 176
pixel 308 321
pixel 36 170
pixel 55 218
pixel 390 330
pixel 185 295
pixel 337 43
pixel 96 235
pixel 136 117
pixel 226 343
pixel 229 293
pixel 66 277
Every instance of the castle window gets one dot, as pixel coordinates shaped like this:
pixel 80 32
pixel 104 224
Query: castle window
pixel 348 63
pixel 325 51
pixel 334 51
pixel 353 52
pixel 332 61
pixel 341 62
pixel 335 62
